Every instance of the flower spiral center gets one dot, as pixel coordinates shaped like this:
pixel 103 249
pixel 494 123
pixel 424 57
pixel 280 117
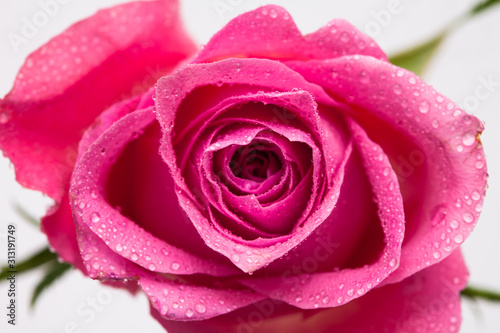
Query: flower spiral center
pixel 256 161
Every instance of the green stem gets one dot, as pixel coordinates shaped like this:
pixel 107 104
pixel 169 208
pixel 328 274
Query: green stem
pixel 475 293
pixel 36 260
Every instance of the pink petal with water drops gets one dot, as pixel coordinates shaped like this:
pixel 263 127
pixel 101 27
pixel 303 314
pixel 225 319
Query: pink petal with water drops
pixel 88 198
pixel 433 145
pixel 269 32
pixel 91 65
pixel 181 301
pixel 320 290
pixel 428 301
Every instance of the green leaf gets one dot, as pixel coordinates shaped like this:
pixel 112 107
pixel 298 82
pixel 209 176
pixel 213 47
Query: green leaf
pixel 416 59
pixel 478 293
pixel 55 271
pixel 36 260
pixel 484 5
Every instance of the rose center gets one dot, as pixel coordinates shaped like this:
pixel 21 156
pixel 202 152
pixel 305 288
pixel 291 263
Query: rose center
pixel 255 162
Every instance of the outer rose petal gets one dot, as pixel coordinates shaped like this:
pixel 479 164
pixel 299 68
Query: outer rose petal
pixel 269 32
pixel 434 148
pixel 58 224
pixel 428 301
pixel 60 230
pixel 182 300
pixel 71 72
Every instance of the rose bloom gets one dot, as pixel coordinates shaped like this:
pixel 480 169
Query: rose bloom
pixel 269 182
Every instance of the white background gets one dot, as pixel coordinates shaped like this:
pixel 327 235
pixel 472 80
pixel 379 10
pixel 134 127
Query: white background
pixel 472 52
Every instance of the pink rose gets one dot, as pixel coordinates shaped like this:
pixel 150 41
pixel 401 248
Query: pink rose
pixel 302 184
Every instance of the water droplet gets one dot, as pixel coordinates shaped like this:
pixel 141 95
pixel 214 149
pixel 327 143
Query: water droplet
pixel 386 172
pixel 436 255
pixel 273 14
pixel 164 251
pixel 326 300
pixel 393 262
pixel 475 195
pixel 95 217
pixel 175 265
pixel 163 310
pixel 134 256
pixel 459 238
pixel 412 80
pixel 424 107
pixel 4 117
pixel 298 299
pixel 468 139
pixel 460 148
pixel 478 207
pixel 435 123
pixel 235 258
pixel 350 292
pixel 479 164
pixel 175 305
pixel 397 89
pixel 454 224
pixel 363 77
pixel 93 194
pixel 200 308
pixel 439 99
pixel 400 73
pixel 468 217
pixel 189 313
pixel 118 247
pixel 152 267
pixel 344 37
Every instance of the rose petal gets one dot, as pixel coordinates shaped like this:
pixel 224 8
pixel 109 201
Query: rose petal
pixel 183 301
pixel 434 148
pixel 60 230
pixel 179 300
pixel 120 233
pixel 269 32
pixel 428 301
pixel 82 70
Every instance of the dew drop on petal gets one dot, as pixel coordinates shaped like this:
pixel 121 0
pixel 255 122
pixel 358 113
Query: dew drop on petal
pixel 95 217
pixel 459 238
pixel 200 308
pixel 189 313
pixel 468 139
pixel 175 265
pixel 424 107
pixel 468 217
pixel 397 89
